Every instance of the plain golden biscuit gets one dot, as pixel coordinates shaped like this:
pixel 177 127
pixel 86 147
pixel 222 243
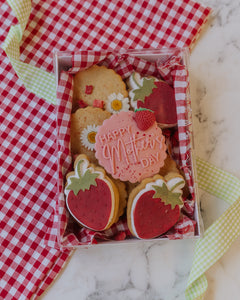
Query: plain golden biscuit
pixel 96 83
pixel 84 124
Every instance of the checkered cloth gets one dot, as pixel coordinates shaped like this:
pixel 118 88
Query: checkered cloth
pixel 28 151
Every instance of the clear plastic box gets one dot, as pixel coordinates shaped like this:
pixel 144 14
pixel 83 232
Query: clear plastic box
pixel 169 59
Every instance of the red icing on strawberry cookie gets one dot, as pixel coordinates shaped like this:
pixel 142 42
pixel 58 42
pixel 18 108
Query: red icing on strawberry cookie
pixel 91 197
pixel 154 206
pixel 148 221
pixel 157 95
pixel 96 215
pixel 127 152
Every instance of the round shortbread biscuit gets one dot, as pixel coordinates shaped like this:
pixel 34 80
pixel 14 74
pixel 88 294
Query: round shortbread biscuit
pixel 80 120
pixel 169 166
pixel 96 83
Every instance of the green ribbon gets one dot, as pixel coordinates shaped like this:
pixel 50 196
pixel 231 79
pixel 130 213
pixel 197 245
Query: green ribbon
pixel 36 80
pixel 222 233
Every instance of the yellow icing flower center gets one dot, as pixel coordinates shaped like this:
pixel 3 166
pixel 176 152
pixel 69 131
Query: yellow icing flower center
pixel 91 137
pixel 116 105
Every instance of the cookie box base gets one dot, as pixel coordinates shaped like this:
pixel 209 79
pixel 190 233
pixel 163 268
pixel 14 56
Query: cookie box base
pixel 63 62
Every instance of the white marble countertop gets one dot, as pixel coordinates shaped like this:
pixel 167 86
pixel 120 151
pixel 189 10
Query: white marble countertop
pixel 160 270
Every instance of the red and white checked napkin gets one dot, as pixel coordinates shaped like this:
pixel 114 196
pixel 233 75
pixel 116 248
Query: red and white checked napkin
pixel 28 154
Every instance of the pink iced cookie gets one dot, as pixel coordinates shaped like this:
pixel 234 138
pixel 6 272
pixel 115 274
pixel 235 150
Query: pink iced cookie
pixel 127 152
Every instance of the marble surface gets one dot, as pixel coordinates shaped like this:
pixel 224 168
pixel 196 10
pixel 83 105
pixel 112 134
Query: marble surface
pixel 160 270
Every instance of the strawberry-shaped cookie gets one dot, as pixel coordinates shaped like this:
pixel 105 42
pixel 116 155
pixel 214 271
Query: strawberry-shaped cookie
pixel 154 94
pixel 91 197
pixel 154 205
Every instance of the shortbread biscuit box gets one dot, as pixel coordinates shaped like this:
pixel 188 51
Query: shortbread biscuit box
pixel 126 168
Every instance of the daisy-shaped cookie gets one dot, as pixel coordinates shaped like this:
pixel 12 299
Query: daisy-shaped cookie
pixel 88 136
pixel 117 103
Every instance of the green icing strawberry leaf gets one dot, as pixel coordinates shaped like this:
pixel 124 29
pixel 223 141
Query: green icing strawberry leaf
pixel 145 90
pixel 143 109
pixel 83 182
pixel 167 196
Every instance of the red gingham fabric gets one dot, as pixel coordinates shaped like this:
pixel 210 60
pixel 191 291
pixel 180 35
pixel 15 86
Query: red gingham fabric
pixel 28 190
pixel 183 229
pixel 29 257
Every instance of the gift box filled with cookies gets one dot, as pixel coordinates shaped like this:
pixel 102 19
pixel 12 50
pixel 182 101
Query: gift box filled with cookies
pixel 125 148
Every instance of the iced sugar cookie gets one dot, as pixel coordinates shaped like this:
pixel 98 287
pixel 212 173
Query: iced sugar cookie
pixel 99 83
pixel 84 125
pixel 128 152
pixel 157 95
pixel 91 197
pixel 154 205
